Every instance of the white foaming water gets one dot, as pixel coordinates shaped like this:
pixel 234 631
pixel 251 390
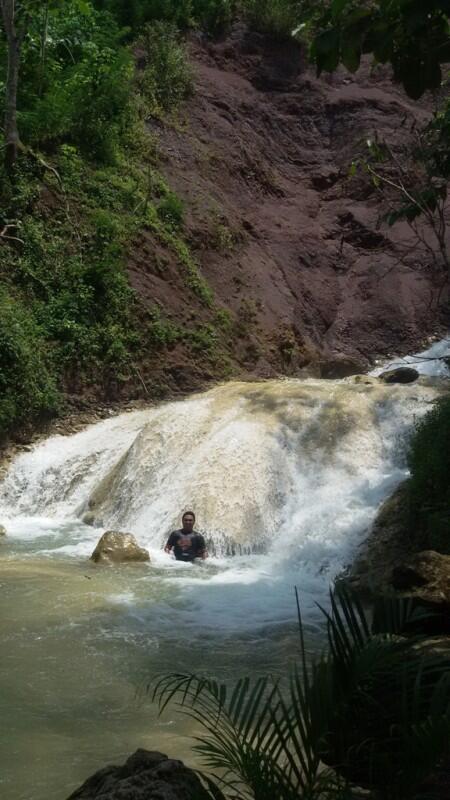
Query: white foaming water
pixel 291 470
pixel 432 361
pixel 294 469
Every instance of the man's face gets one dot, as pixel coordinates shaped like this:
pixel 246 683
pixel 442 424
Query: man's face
pixel 188 522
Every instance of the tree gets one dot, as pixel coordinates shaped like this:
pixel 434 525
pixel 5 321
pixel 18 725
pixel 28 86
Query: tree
pixel 15 26
pixel 17 17
pixel 412 35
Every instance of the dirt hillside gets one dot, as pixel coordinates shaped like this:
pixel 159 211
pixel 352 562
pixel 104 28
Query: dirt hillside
pixel 288 242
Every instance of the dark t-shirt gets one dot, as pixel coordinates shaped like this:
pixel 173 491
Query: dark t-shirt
pixel 186 546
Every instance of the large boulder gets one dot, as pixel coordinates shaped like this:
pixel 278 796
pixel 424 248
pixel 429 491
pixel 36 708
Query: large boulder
pixel 144 776
pixel 400 375
pixel 117 548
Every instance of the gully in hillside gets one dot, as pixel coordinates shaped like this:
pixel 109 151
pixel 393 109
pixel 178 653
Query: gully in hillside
pixel 186 543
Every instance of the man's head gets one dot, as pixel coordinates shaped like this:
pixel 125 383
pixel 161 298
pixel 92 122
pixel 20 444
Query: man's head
pixel 188 520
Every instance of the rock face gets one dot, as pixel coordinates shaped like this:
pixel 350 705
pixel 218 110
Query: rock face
pixel 144 776
pixel 386 566
pixel 426 573
pixel 388 544
pixel 341 367
pixel 400 375
pixel 290 246
pixel 117 548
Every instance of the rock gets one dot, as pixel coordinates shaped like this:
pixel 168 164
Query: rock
pixel 364 380
pixel 2 530
pixel 89 518
pixel 400 375
pixel 341 367
pixel 325 178
pixel 115 547
pixel 425 575
pixel 144 776
pixel 388 543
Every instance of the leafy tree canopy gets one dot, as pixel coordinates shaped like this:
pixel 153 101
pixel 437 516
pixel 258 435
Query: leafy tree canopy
pixel 412 35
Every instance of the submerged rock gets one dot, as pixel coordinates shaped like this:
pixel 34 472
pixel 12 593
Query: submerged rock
pixel 144 776
pixel 115 548
pixel 400 375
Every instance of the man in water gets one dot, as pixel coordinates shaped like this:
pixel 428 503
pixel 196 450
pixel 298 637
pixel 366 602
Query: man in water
pixel 186 543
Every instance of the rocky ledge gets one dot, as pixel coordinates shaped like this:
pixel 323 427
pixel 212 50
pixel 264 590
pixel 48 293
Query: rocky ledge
pixel 144 776
pixel 389 566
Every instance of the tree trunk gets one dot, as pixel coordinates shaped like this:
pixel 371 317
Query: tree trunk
pixel 14 42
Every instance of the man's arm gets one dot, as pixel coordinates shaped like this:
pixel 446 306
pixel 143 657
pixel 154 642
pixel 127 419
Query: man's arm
pixel 202 551
pixel 170 543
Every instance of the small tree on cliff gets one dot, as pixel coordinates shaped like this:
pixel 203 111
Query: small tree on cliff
pixel 412 179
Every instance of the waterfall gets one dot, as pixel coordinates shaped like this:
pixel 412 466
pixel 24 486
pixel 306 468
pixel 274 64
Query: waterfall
pixel 296 469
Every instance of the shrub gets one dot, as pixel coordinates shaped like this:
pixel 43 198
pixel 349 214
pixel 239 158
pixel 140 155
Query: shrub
pixel 171 210
pixel 167 79
pixel 277 18
pixel 374 708
pixel 27 387
pixel 213 16
pixel 429 488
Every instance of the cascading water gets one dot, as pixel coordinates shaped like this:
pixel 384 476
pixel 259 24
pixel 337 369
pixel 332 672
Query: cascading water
pixel 287 475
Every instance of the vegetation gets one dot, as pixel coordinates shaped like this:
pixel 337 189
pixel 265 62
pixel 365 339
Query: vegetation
pixel 429 492
pixel 86 181
pixel 374 708
pixel 413 37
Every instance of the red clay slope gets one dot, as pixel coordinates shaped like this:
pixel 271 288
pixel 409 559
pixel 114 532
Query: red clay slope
pixel 288 242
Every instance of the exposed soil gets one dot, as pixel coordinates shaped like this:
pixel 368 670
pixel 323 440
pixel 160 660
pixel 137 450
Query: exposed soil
pixel 289 243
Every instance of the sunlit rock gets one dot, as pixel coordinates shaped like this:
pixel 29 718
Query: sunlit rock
pixel 400 375
pixel 145 775
pixel 116 548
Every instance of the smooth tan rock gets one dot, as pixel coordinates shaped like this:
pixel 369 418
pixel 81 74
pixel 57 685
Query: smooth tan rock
pixel 118 548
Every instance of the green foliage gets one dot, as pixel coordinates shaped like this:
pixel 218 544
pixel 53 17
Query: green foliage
pixel 169 237
pixel 167 79
pixel 171 210
pixel 212 16
pixel 27 385
pixel 374 708
pixel 81 92
pixel 429 487
pixel 413 37
pixel 277 18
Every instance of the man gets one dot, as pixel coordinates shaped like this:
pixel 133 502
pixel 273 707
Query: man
pixel 186 543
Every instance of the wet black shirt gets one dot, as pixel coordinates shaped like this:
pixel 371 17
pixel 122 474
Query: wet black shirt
pixel 186 546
